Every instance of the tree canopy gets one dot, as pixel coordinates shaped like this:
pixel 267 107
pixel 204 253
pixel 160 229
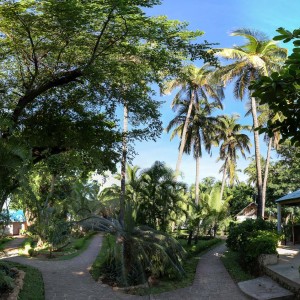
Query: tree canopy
pixel 65 67
pixel 281 92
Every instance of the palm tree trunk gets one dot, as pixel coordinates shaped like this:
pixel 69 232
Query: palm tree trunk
pixel 123 165
pixel 264 188
pixel 183 136
pixel 260 205
pixel 223 179
pixel 197 181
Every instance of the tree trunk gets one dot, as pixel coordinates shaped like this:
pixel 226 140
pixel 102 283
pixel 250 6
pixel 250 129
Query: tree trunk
pixel 223 179
pixel 197 181
pixel 260 205
pixel 123 165
pixel 183 136
pixel 264 188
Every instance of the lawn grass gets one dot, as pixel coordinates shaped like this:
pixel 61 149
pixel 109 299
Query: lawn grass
pixel 33 288
pixel 165 284
pixel 231 263
pixel 106 242
pixel 77 247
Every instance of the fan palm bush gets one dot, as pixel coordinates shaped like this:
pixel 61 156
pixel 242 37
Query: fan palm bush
pixel 137 252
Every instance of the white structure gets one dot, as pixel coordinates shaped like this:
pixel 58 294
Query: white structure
pixel 291 199
pixel 249 212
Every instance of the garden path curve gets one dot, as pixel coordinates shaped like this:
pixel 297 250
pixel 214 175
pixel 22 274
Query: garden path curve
pixel 70 279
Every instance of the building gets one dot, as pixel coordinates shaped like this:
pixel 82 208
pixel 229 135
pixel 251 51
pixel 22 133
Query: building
pixel 249 212
pixel 17 223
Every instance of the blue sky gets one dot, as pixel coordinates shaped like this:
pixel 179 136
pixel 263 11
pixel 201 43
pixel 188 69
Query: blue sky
pixel 217 18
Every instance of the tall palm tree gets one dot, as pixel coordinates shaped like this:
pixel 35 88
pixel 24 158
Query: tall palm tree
pixel 265 116
pixel 233 141
pixel 194 85
pixel 200 130
pixel 258 57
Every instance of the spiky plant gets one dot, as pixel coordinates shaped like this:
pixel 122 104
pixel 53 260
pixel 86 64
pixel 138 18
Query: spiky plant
pixel 139 251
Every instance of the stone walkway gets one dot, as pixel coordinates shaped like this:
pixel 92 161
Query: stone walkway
pixel 70 279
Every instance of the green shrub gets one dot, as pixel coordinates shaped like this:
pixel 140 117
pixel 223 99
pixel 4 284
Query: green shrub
pixel 262 242
pixel 79 243
pixel 6 283
pixel 239 233
pixel 32 252
pixel 202 245
pixel 250 239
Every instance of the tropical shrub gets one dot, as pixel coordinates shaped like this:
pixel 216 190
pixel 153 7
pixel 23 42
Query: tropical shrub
pixel 137 252
pixel 202 245
pixel 262 242
pixel 250 239
pixel 238 233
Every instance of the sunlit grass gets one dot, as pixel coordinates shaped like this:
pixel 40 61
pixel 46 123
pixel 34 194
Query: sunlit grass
pixel 231 263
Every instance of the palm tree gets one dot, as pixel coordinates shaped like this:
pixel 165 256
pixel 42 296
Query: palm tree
pixel 160 196
pixel 215 210
pixel 233 141
pixel 194 85
pixel 200 130
pixel 266 115
pixel 258 57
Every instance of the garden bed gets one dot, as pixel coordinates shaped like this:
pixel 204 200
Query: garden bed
pixel 73 248
pixel 31 287
pixel 163 284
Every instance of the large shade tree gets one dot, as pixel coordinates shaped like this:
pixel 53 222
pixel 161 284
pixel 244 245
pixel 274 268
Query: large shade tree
pixel 259 56
pixel 61 67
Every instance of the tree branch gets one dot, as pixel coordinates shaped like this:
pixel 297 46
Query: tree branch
pixel 63 79
pixel 93 56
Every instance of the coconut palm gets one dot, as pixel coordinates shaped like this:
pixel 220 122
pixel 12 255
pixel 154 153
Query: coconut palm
pixel 200 131
pixel 267 116
pixel 258 57
pixel 194 85
pixel 233 141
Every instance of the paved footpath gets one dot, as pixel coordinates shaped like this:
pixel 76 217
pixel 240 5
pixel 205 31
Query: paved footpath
pixel 70 279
